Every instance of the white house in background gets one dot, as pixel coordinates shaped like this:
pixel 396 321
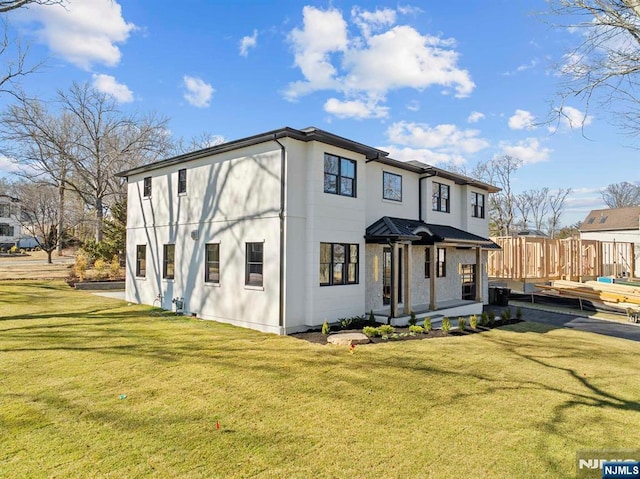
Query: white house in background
pixel 9 225
pixel 620 225
pixel 284 230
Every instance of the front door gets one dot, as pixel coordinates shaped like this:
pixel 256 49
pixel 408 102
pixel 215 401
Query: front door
pixel 386 276
pixel 468 278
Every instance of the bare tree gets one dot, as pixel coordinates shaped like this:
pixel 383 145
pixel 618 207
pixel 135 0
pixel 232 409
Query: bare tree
pixel 523 207
pixel 538 201
pixel 604 67
pixel 499 171
pixel 198 142
pixel 39 214
pixel 556 206
pixel 621 195
pixel 7 5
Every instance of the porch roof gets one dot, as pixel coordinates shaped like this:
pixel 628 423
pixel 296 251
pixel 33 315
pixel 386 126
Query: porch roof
pixel 401 229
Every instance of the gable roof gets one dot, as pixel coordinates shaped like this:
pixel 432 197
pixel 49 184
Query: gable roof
pixel 314 134
pixel 402 229
pixel 612 219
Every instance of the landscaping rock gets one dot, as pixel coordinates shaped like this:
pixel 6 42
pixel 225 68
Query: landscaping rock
pixel 344 339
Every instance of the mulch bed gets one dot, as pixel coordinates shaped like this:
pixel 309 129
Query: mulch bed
pixel 316 336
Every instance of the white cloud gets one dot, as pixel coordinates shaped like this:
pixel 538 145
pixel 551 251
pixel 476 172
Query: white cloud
pixel 355 109
pixel 7 167
pixel 572 117
pixel 198 92
pixel 383 58
pixel 529 150
pixel 440 144
pixel 414 105
pixel 108 84
pixel 522 120
pixel 475 117
pixel 84 32
pixel 248 42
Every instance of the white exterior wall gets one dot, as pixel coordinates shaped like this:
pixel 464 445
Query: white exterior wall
pixel 11 221
pixel 378 207
pixel 624 236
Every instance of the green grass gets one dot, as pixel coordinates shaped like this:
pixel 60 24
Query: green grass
pixel 512 402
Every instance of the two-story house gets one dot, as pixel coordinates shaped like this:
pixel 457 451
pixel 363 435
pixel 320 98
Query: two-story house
pixel 9 226
pixel 284 230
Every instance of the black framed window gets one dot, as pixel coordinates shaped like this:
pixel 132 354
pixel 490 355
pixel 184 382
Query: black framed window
pixel 169 261
pixel 254 264
pixel 6 230
pixel 5 211
pixel 391 186
pixel 146 191
pixel 339 264
pixel 182 181
pixel 477 205
pixel 427 262
pixel 141 260
pixel 339 175
pixel 212 263
pixel 440 197
pixel 441 262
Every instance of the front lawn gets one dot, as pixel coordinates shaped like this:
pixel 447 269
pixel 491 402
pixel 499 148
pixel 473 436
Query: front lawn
pixel 93 387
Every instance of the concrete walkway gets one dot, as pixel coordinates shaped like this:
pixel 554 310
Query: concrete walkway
pixel 110 294
pixel 580 320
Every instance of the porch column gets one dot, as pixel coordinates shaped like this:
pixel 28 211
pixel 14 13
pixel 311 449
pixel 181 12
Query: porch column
pixel 394 280
pixel 479 274
pixel 407 279
pixel 432 277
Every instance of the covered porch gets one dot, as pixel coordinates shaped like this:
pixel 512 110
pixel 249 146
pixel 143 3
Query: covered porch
pixel 432 270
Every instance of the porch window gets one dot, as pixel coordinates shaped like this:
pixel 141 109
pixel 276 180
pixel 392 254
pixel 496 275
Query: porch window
pixel 254 264
pixel 440 197
pixel 168 261
pixel 427 262
pixel 477 205
pixel 146 190
pixel 441 262
pixel 391 186
pixel 212 263
pixel 339 175
pixel 141 260
pixel 338 264
pixel 182 181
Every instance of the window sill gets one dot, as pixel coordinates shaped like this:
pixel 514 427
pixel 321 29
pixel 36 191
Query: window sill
pixel 393 202
pixel 210 284
pixel 168 280
pixel 182 194
pixel 140 278
pixel 253 287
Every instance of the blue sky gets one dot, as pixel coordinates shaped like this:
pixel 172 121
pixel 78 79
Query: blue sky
pixel 459 81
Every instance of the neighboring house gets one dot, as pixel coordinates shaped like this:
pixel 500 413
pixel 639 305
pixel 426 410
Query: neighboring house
pixel 284 230
pixel 616 225
pixel 533 233
pixel 9 226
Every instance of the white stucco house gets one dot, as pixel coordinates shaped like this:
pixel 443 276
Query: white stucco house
pixel 9 225
pixel 616 225
pixel 283 230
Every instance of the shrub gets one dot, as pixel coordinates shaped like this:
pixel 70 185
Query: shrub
pixel 505 315
pixel 23 251
pixel 462 323
pixel 325 328
pixel 519 313
pixel 80 267
pixel 385 330
pixel 509 315
pixel 370 331
pixel 114 268
pixel 13 249
pixel 412 319
pixel 484 319
pixel 416 329
pixel 99 266
pixel 372 318
pixel 446 325
pixel 491 316
pixel 427 324
pixel 473 321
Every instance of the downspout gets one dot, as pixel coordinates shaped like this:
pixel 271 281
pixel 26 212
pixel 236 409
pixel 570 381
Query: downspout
pixel 392 294
pixel 281 321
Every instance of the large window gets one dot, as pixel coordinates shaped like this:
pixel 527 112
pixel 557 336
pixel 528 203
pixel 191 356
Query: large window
pixel 146 192
pixel 169 261
pixel 477 205
pixel 182 181
pixel 212 263
pixel 5 211
pixel 338 264
pixel 441 262
pixel 391 186
pixel 339 175
pixel 6 230
pixel 254 264
pixel 440 197
pixel 141 260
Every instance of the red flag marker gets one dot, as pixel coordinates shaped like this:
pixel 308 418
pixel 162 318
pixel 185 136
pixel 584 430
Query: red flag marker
pixel 217 425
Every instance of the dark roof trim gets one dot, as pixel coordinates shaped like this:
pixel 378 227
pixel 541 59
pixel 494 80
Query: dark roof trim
pixel 307 134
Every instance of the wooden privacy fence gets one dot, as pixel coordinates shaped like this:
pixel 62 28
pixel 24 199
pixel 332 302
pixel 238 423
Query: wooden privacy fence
pixel 572 259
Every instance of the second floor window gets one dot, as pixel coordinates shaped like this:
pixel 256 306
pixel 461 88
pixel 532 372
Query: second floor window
pixel 477 205
pixel 182 181
pixel 168 261
pixel 391 186
pixel 440 197
pixel 146 192
pixel 339 175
